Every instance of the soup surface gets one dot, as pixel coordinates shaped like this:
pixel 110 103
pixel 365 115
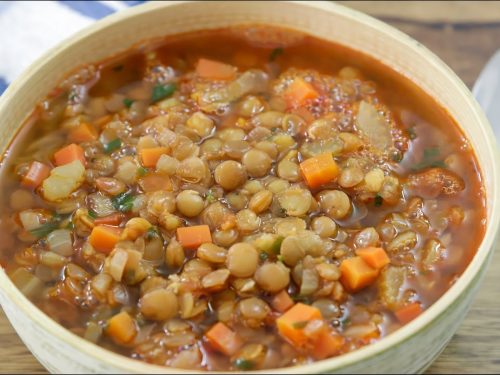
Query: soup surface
pixel 238 199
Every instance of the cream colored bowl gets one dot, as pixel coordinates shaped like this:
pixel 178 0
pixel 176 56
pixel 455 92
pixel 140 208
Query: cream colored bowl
pixel 410 349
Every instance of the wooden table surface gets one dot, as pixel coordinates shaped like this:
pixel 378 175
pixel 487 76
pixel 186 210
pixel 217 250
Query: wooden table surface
pixel 464 35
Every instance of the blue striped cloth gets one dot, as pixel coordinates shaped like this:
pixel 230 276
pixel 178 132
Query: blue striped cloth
pixel 29 28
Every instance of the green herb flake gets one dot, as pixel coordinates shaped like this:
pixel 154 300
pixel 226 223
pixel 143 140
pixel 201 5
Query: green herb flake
pixel 282 212
pixel 280 258
pixel 300 325
pixel 275 53
pixel 141 171
pixel 114 145
pixel 276 246
pixel 123 202
pixel 44 229
pixel 92 214
pixel 127 102
pixel 72 96
pixel 411 133
pixel 263 256
pixel 162 91
pixel 430 159
pixel 244 364
pixel 345 322
pixel 70 225
pixel 152 233
pixel 210 197
pixel 378 201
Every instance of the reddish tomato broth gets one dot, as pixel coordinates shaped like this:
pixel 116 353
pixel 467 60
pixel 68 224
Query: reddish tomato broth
pixel 170 142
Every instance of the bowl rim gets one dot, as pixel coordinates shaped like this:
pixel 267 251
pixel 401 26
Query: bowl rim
pixel 451 297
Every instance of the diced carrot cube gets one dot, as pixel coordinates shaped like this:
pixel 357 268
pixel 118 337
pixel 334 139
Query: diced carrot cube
pixel 409 312
pixel 82 133
pixel 69 154
pixel 104 238
pixel 356 274
pixel 327 345
pixel 319 170
pixel 121 328
pixel 192 237
pixel 35 175
pixel 281 302
pixel 376 257
pixel 113 219
pixel 291 324
pixel 150 156
pixel 298 92
pixel 223 339
pixel 215 70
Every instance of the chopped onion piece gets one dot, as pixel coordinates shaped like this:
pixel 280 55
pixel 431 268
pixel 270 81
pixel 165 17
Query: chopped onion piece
pixel 60 242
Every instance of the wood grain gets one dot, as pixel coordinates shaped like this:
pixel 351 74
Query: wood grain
pixel 464 35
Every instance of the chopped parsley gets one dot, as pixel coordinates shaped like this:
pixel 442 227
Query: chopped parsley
pixel 431 159
pixel 92 214
pixel 44 229
pixel 141 171
pixel 210 197
pixel 282 212
pixel 114 145
pixel 345 322
pixel 127 102
pixel 378 201
pixel 162 91
pixel 243 364
pixel 48 227
pixel 280 258
pixel 300 325
pixel 275 53
pixel 276 246
pixel 152 233
pixel 263 256
pixel 123 202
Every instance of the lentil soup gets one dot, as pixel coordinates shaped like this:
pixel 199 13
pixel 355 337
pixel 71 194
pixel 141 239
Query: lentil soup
pixel 238 199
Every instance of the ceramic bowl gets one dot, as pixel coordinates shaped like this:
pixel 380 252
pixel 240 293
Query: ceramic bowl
pixel 412 348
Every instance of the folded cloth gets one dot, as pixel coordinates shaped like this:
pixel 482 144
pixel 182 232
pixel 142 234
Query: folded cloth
pixel 29 28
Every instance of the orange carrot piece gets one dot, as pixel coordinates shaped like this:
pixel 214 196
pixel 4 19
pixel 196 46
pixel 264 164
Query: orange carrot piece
pixel 192 237
pixel 223 339
pixel 215 69
pixel 356 274
pixel 319 170
pixel 68 154
pixel 101 121
pixel 82 133
pixel 113 219
pixel 104 238
pixel 299 92
pixel 281 302
pixel 376 257
pixel 409 312
pixel 121 327
pixel 35 175
pixel 291 324
pixel 155 182
pixel 327 345
pixel 150 156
